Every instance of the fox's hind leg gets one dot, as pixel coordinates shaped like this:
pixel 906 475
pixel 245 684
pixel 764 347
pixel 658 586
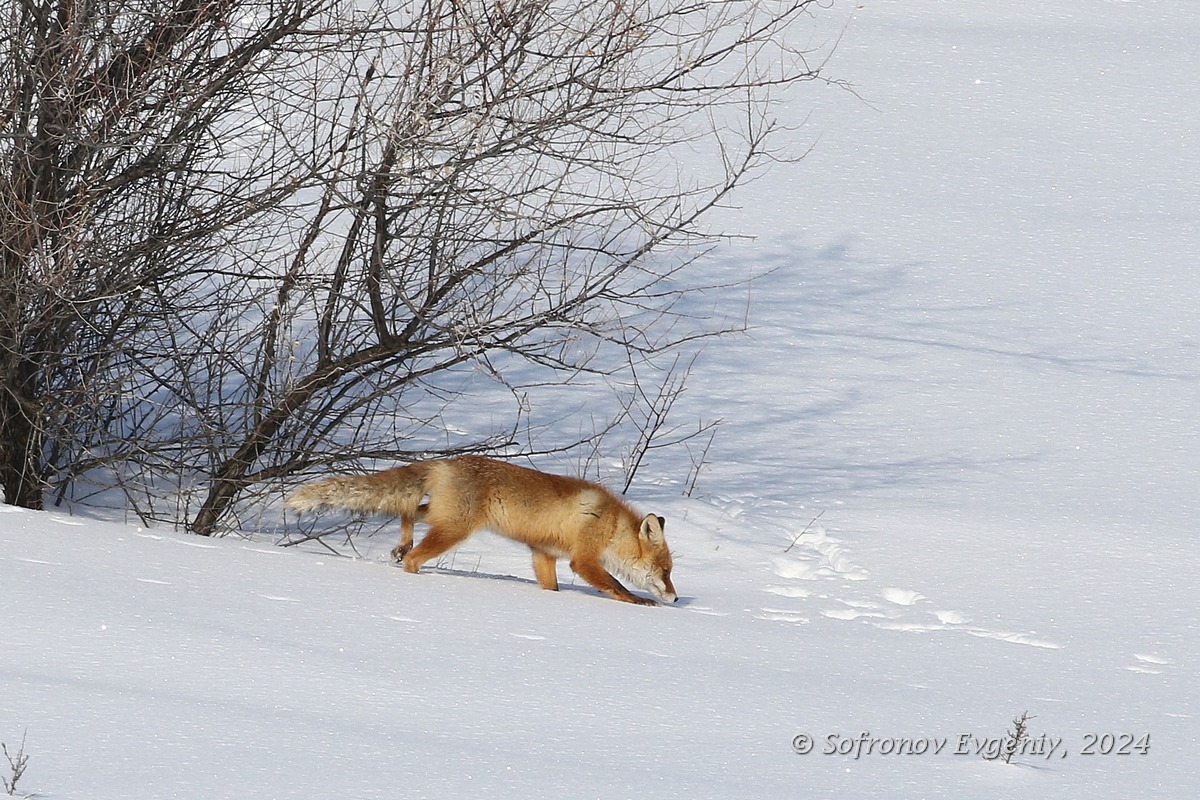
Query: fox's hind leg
pixel 407 524
pixel 438 540
pixel 406 539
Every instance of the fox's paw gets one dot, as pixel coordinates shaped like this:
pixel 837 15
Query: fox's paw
pixel 410 565
pixel 637 600
pixel 400 551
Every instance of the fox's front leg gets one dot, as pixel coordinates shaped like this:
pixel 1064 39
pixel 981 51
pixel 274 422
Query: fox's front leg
pixel 592 571
pixel 544 569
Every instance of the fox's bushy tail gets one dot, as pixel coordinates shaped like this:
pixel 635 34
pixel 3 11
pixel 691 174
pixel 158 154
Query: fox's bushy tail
pixel 397 492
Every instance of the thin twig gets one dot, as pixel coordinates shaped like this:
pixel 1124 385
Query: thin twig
pixel 16 765
pixel 806 530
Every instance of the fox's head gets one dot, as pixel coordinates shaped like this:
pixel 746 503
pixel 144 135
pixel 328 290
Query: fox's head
pixel 658 581
pixel 648 565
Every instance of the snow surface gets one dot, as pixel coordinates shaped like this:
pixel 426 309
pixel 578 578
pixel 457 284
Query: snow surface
pixel 977 360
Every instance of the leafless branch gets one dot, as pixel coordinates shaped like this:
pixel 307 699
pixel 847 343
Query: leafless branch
pixel 246 240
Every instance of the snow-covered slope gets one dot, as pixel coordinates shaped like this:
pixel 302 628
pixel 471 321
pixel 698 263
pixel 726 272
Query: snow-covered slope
pixel 977 360
pixel 147 664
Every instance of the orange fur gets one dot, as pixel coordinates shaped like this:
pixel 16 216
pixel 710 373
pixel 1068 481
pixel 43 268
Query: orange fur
pixel 555 516
pixel 397 491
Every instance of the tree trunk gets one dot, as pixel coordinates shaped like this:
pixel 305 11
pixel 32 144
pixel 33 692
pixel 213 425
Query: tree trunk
pixel 20 439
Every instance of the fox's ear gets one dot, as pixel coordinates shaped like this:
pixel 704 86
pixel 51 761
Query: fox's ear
pixel 652 529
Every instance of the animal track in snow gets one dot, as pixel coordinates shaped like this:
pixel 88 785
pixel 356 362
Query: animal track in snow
pixel 902 597
pixel 279 598
pixel 1015 638
pixel 832 561
pixel 901 614
pixel 951 621
pixel 850 614
pixel 1148 664
pixel 711 612
pixel 782 615
pixel 817 557
pixel 787 591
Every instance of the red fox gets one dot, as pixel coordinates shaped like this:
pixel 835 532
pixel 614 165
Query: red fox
pixel 556 516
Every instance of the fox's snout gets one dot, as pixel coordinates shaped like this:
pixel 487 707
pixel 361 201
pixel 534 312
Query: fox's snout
pixel 663 590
